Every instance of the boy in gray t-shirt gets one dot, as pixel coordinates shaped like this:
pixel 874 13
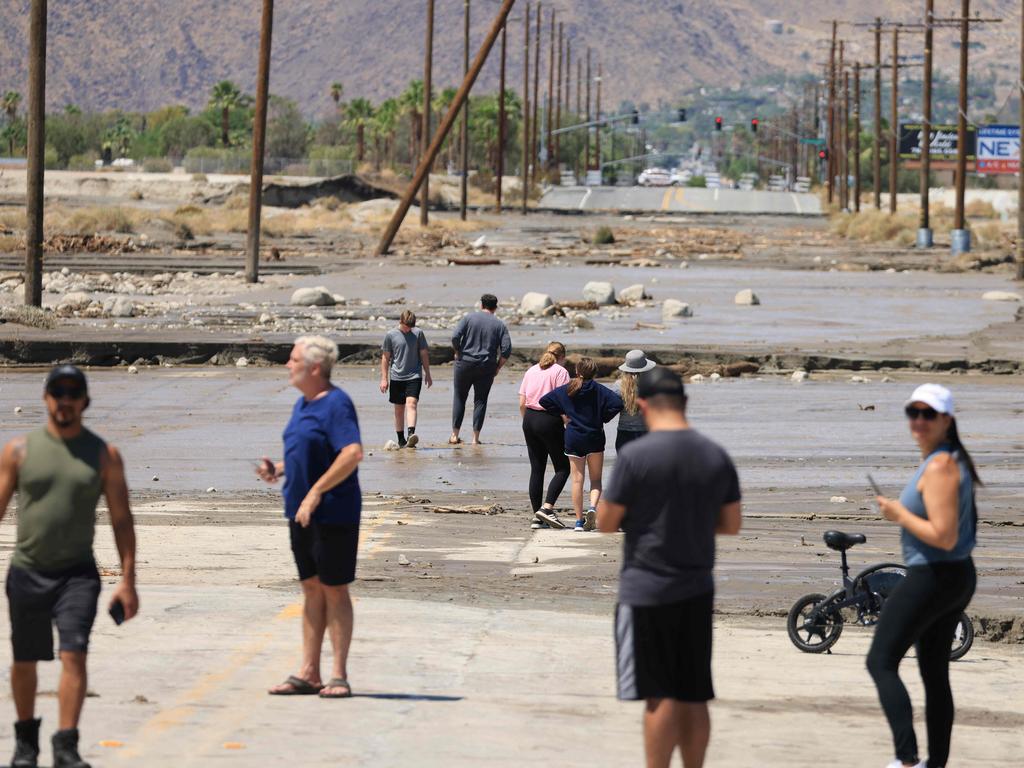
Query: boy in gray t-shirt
pixel 404 364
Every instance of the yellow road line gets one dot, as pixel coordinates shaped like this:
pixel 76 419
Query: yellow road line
pixel 666 201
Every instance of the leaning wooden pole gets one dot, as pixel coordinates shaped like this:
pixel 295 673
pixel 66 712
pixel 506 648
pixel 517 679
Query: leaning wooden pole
pixel 446 125
pixel 259 141
pixel 36 153
pixel 428 87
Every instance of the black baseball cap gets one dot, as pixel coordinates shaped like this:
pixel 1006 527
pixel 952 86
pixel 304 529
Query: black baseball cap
pixel 660 381
pixel 66 372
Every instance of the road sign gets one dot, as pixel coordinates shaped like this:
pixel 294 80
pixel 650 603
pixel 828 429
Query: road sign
pixel 815 142
pixel 943 145
pixel 999 149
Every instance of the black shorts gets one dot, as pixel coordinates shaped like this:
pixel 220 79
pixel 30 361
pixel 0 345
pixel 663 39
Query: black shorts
pixel 664 651
pixel 400 390
pixel 325 550
pixel 38 600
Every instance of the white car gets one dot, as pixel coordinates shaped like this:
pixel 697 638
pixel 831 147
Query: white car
pixel 655 177
pixel 681 177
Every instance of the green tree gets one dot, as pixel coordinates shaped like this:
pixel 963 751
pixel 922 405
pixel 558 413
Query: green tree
pixel 118 137
pixel 337 89
pixel 358 114
pixel 384 126
pixel 442 102
pixel 225 97
pixel 410 103
pixel 180 134
pixel 10 103
pixel 287 130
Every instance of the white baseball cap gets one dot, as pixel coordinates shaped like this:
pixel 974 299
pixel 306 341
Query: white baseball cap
pixel 935 395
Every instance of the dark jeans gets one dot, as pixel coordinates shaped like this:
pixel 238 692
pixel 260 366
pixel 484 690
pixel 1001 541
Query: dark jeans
pixel 479 376
pixel 545 438
pixel 922 611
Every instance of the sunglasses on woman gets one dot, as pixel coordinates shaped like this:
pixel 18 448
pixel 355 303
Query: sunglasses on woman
pixel 928 414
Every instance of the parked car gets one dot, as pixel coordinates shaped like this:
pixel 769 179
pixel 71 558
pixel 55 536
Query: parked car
pixel 681 177
pixel 655 177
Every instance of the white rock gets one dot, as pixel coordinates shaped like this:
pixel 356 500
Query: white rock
pixel 800 376
pixel 599 292
pixel 312 297
pixel 338 298
pixel 747 297
pixel 715 376
pixel 211 489
pixel 697 378
pixel 65 271
pixel 391 445
pixel 118 306
pixel 17 409
pixel 633 293
pixel 75 300
pixel 582 321
pixel 534 303
pixel 1001 296
pixel 675 308
pixel 241 362
pixel 480 242
pixel 156 479
pixel 860 380
pixel 888 379
pixel 838 500
pixel 132 369
pixel 403 560
pixel 265 318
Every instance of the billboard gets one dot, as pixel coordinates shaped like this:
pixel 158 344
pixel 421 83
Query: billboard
pixel 998 149
pixel 943 145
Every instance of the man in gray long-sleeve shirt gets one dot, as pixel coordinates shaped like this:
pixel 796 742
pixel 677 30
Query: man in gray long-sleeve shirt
pixel 482 346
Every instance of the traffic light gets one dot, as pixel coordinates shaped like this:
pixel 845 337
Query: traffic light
pixel 718 123
pixel 823 153
pixel 681 114
pixel 636 117
pixel 753 125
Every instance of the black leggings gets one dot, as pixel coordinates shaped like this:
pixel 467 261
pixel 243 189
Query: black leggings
pixel 922 611
pixel 545 437
pixel 624 437
pixel 479 376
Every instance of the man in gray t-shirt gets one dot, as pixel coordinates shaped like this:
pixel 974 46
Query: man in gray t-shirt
pixel 482 346
pixel 404 365
pixel 671 491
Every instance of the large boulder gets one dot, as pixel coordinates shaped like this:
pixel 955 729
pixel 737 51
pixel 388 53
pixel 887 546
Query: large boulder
pixel 313 297
pixel 675 308
pixel 1001 296
pixel 599 292
pixel 633 293
pixel 119 306
pixel 747 298
pixel 74 301
pixel 534 303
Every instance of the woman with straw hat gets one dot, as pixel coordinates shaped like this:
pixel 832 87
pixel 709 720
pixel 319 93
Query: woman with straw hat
pixel 631 422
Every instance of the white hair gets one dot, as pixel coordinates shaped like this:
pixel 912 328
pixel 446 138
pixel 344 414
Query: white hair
pixel 319 349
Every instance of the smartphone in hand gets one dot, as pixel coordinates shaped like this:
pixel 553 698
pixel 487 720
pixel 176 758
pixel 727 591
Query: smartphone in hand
pixel 117 612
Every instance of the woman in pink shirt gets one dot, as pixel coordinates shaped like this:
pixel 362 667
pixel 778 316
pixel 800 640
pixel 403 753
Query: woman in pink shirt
pixel 545 434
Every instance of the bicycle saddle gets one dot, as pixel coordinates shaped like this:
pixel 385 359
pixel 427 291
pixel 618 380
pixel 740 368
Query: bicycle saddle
pixel 841 542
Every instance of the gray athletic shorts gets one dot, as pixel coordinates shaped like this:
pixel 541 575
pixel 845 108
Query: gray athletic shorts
pixel 38 600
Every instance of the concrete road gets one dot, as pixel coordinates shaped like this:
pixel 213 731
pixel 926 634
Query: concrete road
pixel 680 200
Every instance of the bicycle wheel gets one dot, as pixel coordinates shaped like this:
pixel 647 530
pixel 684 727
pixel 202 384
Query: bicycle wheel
pixel 813 633
pixel 963 638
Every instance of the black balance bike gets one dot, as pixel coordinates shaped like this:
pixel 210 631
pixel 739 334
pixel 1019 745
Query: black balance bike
pixel 815 621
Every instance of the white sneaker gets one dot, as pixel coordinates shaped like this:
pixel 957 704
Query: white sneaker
pixel 550 517
pixel 899 764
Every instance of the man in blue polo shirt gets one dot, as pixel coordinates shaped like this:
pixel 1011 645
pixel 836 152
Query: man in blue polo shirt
pixel 323 502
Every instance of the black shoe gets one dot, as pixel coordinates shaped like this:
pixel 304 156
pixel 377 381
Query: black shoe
pixel 26 744
pixel 65 750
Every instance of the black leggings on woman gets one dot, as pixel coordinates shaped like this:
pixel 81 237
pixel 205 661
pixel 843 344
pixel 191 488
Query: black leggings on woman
pixel 923 611
pixel 545 437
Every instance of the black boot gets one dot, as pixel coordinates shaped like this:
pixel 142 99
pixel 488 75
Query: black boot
pixel 26 744
pixel 65 750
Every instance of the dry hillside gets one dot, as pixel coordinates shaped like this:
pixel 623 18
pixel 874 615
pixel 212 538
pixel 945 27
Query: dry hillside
pixel 140 54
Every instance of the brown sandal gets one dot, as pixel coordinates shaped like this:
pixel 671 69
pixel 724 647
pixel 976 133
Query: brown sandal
pixel 299 687
pixel 337 682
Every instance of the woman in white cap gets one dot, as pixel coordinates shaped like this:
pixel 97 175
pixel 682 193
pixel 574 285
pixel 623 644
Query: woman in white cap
pixel 937 514
pixel 631 422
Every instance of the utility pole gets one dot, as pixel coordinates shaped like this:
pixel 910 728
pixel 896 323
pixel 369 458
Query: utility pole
pixel 36 151
pixel 856 137
pixel 579 111
pixel 259 142
pixel 876 157
pixel 842 127
pixel 445 127
pixel 924 232
pixel 597 130
pixel 464 138
pixel 500 170
pixel 558 98
pixel 961 242
pixel 846 141
pixel 526 108
pixel 428 66
pixel 832 115
pixel 550 143
pixel 1020 167
pixel 894 124
pixel 586 148
pixel 534 141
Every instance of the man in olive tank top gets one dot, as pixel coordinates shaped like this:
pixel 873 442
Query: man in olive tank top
pixel 59 473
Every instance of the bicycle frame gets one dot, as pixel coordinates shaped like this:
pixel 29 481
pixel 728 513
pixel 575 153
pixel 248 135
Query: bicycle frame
pixel 849 596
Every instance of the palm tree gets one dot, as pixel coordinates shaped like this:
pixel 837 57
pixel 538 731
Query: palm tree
pixel 226 96
pixel 385 123
pixel 337 89
pixel 410 102
pixel 359 112
pixel 442 103
pixel 10 103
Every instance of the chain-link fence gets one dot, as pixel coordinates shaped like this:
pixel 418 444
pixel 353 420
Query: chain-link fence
pixel 272 166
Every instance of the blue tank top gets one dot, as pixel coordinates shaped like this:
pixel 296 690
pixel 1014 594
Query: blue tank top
pixel 915 551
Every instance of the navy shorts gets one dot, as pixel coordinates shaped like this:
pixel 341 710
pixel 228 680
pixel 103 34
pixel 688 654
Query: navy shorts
pixel 398 391
pixel 579 445
pixel 325 550
pixel 664 651
pixel 38 600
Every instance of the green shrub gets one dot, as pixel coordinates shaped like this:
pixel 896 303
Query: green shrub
pixel 697 181
pixel 157 165
pixel 83 162
pixel 603 236
pixel 50 159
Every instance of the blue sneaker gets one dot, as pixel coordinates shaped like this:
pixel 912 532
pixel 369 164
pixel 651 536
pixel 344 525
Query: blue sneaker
pixel 579 526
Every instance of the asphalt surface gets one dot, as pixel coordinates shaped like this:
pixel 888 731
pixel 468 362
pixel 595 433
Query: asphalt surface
pixel 680 200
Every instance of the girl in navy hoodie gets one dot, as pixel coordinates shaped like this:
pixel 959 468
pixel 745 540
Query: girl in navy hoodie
pixel 585 406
